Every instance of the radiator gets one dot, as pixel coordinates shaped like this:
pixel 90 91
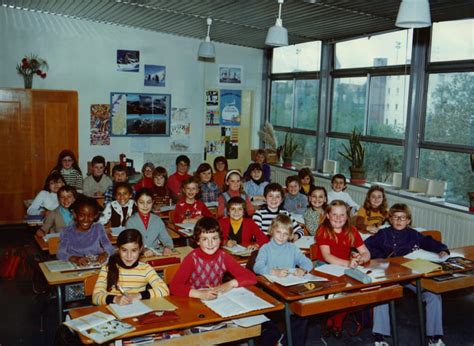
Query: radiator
pixel 456 227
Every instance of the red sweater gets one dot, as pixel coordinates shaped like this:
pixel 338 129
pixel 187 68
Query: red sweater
pixel 249 231
pixel 144 183
pixel 198 208
pixel 200 270
pixel 341 246
pixel 174 184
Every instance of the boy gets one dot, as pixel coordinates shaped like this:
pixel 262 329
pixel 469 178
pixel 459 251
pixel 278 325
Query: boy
pixel 201 273
pixel 97 183
pixel 263 217
pixel 119 175
pixel 189 209
pixel 176 179
pixel 295 201
pixel 338 185
pixel 238 229
pixel 399 240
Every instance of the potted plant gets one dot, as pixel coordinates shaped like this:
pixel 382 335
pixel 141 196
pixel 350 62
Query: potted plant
pixel 269 139
pixel 30 66
pixel 288 149
pixel 355 153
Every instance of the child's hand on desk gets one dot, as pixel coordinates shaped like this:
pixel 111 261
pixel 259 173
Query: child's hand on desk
pixel 252 247
pixel 227 286
pixel 299 272
pixel 206 294
pixel 230 243
pixel 80 261
pixel 443 253
pixel 280 272
pixel 353 262
pixel 372 229
pixel 167 251
pixel 123 299
pixel 148 253
pixel 102 258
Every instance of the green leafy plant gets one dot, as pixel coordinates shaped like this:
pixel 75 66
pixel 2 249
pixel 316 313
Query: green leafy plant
pixel 355 152
pixel 289 147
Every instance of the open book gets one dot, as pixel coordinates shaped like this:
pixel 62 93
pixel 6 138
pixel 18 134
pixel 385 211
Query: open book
pixel 292 280
pixel 99 327
pixel 66 266
pixel 235 302
pixel 238 250
pixel 136 308
pixel 430 256
pixel 305 242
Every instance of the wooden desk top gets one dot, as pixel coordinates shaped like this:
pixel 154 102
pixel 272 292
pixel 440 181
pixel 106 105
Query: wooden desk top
pixel 192 312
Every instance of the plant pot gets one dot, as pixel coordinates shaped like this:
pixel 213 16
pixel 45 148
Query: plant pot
pixel 287 162
pixel 357 175
pixel 28 80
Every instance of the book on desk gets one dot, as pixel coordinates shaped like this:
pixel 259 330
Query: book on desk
pixel 67 266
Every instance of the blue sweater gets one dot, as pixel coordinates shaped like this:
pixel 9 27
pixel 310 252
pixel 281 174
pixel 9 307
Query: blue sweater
pixel 285 256
pixel 296 204
pixel 390 242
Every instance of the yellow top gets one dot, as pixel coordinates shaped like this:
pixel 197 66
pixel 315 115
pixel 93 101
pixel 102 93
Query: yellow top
pixel 235 224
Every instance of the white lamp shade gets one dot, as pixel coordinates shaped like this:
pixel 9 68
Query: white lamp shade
pixel 277 35
pixel 414 14
pixel 207 50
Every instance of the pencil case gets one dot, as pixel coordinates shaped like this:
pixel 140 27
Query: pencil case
pixel 164 261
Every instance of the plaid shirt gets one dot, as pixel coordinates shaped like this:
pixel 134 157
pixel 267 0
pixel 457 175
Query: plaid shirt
pixel 210 192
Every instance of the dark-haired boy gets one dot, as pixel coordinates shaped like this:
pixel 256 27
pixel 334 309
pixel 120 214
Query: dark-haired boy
pixel 97 183
pixel 119 175
pixel 176 179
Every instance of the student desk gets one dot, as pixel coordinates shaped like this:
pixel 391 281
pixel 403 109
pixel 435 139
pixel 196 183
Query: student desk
pixel 61 279
pixel 359 294
pixel 43 245
pixel 192 312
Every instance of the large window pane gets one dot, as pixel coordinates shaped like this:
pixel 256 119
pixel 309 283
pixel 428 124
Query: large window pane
pixel 281 107
pixel 307 95
pixel 380 50
pixel 335 146
pixel 381 160
pixel 454 168
pixel 453 40
pixel 388 99
pixel 450 108
pixel 304 155
pixel 297 58
pixel 348 104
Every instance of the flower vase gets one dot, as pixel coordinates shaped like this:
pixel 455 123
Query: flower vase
pixel 28 79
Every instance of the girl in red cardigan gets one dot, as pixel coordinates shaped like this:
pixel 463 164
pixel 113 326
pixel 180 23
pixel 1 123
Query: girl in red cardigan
pixel 201 272
pixel 237 229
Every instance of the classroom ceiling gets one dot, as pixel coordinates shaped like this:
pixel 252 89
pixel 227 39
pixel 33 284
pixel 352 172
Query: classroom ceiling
pixel 245 22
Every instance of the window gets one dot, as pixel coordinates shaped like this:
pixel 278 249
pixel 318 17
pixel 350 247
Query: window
pixel 281 112
pixel 453 40
pixel 348 104
pixel 304 57
pixel 304 155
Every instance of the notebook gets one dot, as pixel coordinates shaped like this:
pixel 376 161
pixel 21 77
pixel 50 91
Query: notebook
pixel 305 242
pixel 66 266
pixel 422 266
pixel 136 308
pixel 292 280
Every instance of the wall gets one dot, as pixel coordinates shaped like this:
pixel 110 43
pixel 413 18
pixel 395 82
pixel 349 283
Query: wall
pixel 81 55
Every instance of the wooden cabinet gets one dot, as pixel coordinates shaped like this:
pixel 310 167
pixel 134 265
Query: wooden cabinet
pixel 35 125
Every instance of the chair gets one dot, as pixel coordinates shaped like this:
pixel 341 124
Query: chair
pixel 89 284
pixel 435 234
pixel 168 272
pixel 53 244
pixel 313 252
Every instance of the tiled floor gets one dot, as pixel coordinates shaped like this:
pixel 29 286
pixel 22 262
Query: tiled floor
pixel 30 319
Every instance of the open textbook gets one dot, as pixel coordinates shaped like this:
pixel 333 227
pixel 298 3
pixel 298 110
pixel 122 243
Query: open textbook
pixel 236 302
pixel 99 327
pixel 430 256
pixel 238 250
pixel 66 266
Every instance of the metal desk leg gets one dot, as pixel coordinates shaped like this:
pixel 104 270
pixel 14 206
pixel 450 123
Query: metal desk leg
pixel 251 342
pixel 288 324
pixel 393 323
pixel 421 317
pixel 60 303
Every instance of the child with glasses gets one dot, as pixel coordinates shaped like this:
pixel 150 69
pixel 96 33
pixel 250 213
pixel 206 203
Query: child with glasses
pixel 399 240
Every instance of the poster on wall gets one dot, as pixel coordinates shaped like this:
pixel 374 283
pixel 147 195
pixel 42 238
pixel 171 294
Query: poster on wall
pixel 230 75
pixel 230 107
pixel 230 138
pixel 212 108
pixel 155 75
pixel 180 129
pixel 215 147
pixel 140 114
pixel 100 124
pixel 128 60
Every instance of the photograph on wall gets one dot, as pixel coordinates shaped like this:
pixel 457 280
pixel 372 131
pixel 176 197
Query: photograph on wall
pixel 230 107
pixel 155 75
pixel 100 124
pixel 128 60
pixel 212 98
pixel 213 117
pixel 180 129
pixel 231 150
pixel 140 114
pixel 230 74
pixel 215 147
pixel 179 145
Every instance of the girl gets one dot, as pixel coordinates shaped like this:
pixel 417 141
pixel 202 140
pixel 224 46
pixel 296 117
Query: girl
pixel 150 225
pixel 147 179
pixel 126 274
pixel 256 185
pixel 336 239
pixel 374 212
pixel 220 170
pixel 161 194
pixel 261 158
pixel 69 169
pixel 119 211
pixel 60 217
pixel 314 215
pixel 306 180
pixel 47 199
pixel 189 209
pixel 84 238
pixel 233 188
pixel 209 190
pixel 338 185
pixel 201 273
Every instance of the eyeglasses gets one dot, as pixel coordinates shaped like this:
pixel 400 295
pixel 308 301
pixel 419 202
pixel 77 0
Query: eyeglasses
pixel 399 218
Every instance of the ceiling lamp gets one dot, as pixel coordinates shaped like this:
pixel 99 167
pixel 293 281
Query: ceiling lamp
pixel 414 14
pixel 277 35
pixel 206 48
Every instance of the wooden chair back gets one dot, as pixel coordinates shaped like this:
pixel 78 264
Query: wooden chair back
pixel 89 284
pixel 313 252
pixel 53 244
pixel 433 233
pixel 169 272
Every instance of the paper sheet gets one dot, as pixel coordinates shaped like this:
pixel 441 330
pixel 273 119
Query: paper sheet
pixel 250 321
pixel 331 269
pixel 305 242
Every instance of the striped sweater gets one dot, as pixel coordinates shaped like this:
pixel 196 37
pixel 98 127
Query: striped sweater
pixel 72 178
pixel 131 280
pixel 264 217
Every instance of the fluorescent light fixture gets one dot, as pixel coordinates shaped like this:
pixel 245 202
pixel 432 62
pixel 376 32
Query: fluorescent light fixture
pixel 414 14
pixel 277 35
pixel 206 48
